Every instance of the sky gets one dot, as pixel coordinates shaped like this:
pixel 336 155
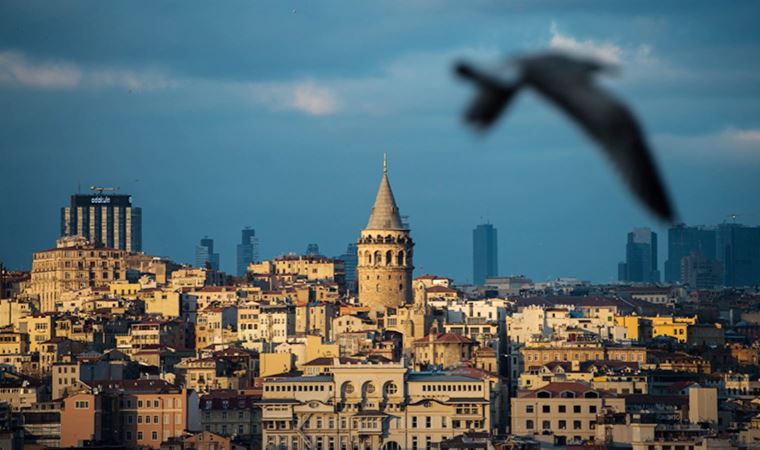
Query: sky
pixel 276 115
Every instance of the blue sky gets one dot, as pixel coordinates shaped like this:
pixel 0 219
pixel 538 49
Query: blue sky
pixel 276 115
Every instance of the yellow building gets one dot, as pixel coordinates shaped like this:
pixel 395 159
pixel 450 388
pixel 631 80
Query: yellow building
pixel 12 310
pixel 13 343
pixel 643 328
pixel 561 413
pixel 675 327
pixel 537 354
pixel 124 289
pixel 442 349
pixel 74 264
pixel 39 327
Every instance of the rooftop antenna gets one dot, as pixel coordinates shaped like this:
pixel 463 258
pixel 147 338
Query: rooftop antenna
pixel 385 164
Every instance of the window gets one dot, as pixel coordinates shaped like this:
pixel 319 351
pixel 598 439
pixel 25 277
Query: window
pixel 82 404
pixel 428 421
pixel 414 421
pixel 139 436
pixel 154 435
pixel 128 435
pixel 577 425
pixel 576 408
pixel 529 409
pixel 139 419
pixel 592 409
pixel 443 422
pixel 562 408
pixel 529 424
pixel 155 419
pixel 546 409
pixel 562 425
pixel 546 424
pixel 147 419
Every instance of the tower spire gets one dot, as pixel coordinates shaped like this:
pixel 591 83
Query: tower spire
pixel 385 215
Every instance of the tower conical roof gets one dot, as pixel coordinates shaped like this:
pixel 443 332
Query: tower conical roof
pixel 384 215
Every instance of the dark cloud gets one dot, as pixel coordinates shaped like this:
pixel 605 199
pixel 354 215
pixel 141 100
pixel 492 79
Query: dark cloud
pixel 244 113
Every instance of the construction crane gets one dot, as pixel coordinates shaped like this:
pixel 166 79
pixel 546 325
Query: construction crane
pixel 100 189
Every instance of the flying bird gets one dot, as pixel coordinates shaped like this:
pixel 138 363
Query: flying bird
pixel 568 82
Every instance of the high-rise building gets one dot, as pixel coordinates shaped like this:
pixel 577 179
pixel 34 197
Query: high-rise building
pixel 683 241
pixel 738 251
pixel 640 257
pixel 485 253
pixel 104 218
pixel 247 250
pixel 205 256
pixel 312 250
pixel 350 259
pixel 699 272
pixel 384 269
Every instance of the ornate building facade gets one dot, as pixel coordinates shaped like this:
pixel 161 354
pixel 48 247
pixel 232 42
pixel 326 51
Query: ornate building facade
pixel 382 406
pixel 384 269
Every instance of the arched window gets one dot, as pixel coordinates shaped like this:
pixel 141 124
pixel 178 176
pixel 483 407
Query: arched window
pixel 378 258
pixel 368 257
pixel 388 258
pixel 400 258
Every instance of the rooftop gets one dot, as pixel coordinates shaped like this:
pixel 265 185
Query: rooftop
pixel 385 214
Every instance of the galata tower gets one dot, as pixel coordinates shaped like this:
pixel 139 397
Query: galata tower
pixel 384 268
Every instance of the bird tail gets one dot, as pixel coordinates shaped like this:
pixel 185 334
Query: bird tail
pixel 491 99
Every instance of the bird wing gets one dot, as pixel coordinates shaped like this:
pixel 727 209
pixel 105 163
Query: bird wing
pixel 491 99
pixel 613 127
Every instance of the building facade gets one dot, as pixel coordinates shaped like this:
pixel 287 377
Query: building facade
pixel 106 219
pixel 247 250
pixel 205 256
pixel 377 406
pixel 485 253
pixel 74 264
pixel 640 257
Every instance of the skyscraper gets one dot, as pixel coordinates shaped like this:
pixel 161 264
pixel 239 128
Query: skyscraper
pixel 683 241
pixel 738 251
pixel 312 249
pixel 640 257
pixel 350 259
pixel 205 256
pixel 104 218
pixel 485 253
pixel 247 250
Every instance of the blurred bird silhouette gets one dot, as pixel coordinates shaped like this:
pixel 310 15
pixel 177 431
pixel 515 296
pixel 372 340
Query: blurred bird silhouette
pixel 568 82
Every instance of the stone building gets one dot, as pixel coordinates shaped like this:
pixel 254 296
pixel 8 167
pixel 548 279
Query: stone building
pixel 561 413
pixel 384 269
pixel 379 406
pixel 74 264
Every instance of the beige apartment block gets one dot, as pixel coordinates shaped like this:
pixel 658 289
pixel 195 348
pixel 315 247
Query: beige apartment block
pixel 560 413
pixel 74 264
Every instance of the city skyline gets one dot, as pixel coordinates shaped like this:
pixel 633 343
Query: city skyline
pixel 360 225
pixel 327 123
pixel 228 258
